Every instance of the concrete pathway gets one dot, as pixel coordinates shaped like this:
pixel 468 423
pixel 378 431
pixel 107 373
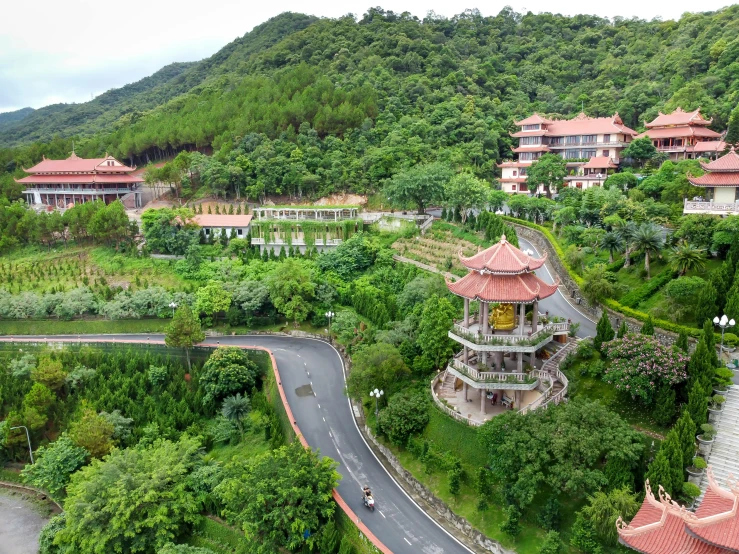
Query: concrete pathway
pixel 20 524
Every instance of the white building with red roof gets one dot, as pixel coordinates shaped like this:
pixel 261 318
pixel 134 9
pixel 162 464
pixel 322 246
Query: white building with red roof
pixel 501 283
pixel 591 146
pixel 63 183
pixel 235 226
pixel 721 187
pixel 661 526
pixel 684 135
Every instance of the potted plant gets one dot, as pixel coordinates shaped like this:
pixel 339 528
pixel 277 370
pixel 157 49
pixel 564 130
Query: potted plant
pixel 722 380
pixel 714 408
pixel 695 471
pixel 689 493
pixel 705 439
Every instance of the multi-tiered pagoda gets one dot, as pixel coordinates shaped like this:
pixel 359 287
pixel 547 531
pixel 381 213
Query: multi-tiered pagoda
pixel 502 283
pixel 720 184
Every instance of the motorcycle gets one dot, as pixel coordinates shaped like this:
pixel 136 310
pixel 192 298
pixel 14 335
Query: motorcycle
pixel 369 502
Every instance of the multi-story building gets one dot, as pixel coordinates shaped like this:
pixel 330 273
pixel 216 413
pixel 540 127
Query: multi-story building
pixel 684 135
pixel 721 187
pixel 591 145
pixel 62 183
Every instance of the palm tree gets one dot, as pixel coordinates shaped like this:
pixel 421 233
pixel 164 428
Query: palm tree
pixel 685 257
pixel 613 242
pixel 648 238
pixel 626 230
pixel 235 408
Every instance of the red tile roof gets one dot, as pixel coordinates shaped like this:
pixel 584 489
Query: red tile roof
pixel 716 518
pixel 76 164
pixel 584 125
pixel 82 178
pixel 515 164
pixel 533 133
pixel 729 162
pixel 532 120
pixel 531 148
pixel 715 180
pixel 513 179
pixel 502 258
pixel 600 162
pixel 709 146
pixel 679 131
pixel 222 220
pixel 679 117
pixel 522 288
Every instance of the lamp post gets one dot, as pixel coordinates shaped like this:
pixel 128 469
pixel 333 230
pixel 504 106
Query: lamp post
pixel 329 314
pixel 724 323
pixel 377 394
pixel 173 305
pixel 28 438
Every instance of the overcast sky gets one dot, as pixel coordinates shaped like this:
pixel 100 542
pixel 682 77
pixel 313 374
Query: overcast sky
pixel 65 51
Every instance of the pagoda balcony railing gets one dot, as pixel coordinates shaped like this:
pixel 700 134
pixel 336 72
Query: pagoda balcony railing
pixel 256 241
pixel 527 339
pixel 494 377
pixel 716 208
pixel 80 191
pixel 592 176
pixel 613 143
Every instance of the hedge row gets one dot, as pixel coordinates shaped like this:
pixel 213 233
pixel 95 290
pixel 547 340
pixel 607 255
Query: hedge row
pixel 638 295
pixel 612 304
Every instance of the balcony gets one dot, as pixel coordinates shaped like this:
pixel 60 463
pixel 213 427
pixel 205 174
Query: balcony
pixel 712 208
pixel 69 191
pixel 506 341
pixel 295 242
pixel 506 380
pixel 612 143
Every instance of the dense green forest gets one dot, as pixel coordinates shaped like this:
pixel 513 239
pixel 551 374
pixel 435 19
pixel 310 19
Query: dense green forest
pixel 343 104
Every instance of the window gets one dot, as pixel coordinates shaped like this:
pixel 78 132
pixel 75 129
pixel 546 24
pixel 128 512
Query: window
pixel 572 140
pixel 207 231
pixel 515 172
pixel 554 141
pixel 607 153
pixel 588 153
pixel 572 154
pixel 240 232
pixel 531 127
pixel 606 138
pixel 589 139
pixel 527 156
pixel 514 187
pixel 530 140
pixel 578 184
pixel 522 172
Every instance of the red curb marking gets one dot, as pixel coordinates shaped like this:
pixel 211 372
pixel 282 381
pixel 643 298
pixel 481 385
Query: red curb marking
pixel 337 497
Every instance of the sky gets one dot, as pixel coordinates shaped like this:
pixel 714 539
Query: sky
pixel 70 51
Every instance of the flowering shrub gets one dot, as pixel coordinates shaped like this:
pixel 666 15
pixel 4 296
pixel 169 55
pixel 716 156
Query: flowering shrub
pixel 640 365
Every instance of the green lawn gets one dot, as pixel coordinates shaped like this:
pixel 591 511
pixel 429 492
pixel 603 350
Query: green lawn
pixel 81 327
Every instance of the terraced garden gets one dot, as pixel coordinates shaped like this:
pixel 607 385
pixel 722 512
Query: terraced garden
pixel 439 248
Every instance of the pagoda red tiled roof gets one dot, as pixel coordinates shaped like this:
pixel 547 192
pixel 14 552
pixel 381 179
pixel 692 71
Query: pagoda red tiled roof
pixel 515 164
pixel 82 179
pixel 584 125
pixel 709 146
pixel 513 179
pixel 679 131
pixel 521 288
pixel 502 258
pixel 532 133
pixel 729 162
pixel 532 120
pixel 663 527
pixel 531 148
pixel 679 117
pixel 222 220
pixel 715 180
pixel 600 162
pixel 76 164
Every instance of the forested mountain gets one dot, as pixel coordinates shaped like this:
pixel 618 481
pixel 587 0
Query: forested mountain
pixel 10 118
pixel 304 105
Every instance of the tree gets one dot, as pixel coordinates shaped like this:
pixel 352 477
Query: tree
pixel 420 185
pixel 622 181
pixel 136 500
pixel 54 465
pixel 292 289
pixel 171 548
pixel 227 371
pixel 648 239
pixel 682 341
pixel 732 134
pixel 235 408
pixel 406 414
pixel 613 242
pixel 512 523
pixel 49 372
pixel 648 327
pixel 212 298
pixel 597 284
pixel 603 331
pixel 466 192
pixel 550 171
pixel 552 544
pixel 685 257
pixel 697 404
pixel 640 149
pixel 623 330
pixel 686 429
pixel 379 365
pixel 574 257
pixel 436 320
pixel 664 406
pixel 278 496
pixel 184 331
pixel 604 508
pixel 92 432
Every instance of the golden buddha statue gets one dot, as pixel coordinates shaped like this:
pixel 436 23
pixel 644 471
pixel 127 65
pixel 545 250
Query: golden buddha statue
pixel 503 317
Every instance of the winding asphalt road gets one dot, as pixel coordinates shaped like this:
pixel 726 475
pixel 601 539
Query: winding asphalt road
pixel 312 375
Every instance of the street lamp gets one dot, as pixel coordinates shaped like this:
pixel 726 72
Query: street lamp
pixel 377 394
pixel 28 438
pixel 329 314
pixel 724 323
pixel 173 305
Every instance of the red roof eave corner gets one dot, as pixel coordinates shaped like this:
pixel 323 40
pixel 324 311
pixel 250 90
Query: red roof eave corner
pixel 531 120
pixel 728 163
pixel 523 288
pixel 502 258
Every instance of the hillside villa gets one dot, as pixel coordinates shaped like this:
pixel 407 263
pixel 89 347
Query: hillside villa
pixel 684 135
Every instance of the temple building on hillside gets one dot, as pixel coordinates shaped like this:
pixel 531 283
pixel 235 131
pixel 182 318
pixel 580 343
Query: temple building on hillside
pixel 497 367
pixel 663 527
pixel 591 145
pixel 684 135
pixel 64 183
pixel 721 186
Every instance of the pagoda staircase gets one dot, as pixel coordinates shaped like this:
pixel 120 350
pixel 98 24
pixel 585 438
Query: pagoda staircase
pixel 447 386
pixel 724 457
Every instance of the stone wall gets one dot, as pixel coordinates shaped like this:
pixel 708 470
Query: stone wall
pixel 555 265
pixel 433 505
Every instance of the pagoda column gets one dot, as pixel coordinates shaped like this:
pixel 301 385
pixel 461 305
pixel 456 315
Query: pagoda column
pixel 486 319
pixel 483 406
pixel 467 313
pixel 519 363
pixel 484 308
pixel 535 317
pixel 465 354
pixel 521 317
pixel 465 386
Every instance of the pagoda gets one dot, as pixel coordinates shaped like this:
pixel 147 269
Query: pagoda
pixel 502 283
pixel 684 135
pixel 64 183
pixel 721 185
pixel 661 526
